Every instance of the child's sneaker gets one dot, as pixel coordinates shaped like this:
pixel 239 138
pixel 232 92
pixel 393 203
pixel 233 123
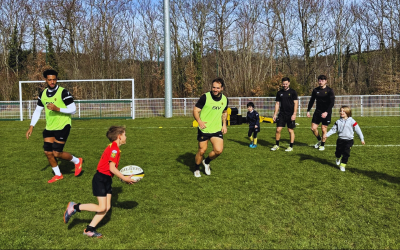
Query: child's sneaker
pixel 338 161
pixel 207 169
pixel 321 148
pixel 197 173
pixel 274 148
pixel 78 167
pixel 289 149
pixel 317 144
pixel 92 233
pixel 254 146
pixel 56 178
pixel 342 167
pixel 69 211
pixel 251 145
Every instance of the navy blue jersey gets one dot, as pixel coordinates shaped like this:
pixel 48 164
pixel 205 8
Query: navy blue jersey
pixel 253 119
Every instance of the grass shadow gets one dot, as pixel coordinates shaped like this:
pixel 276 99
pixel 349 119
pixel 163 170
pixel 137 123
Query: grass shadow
pixel 304 157
pixel 187 159
pixel 66 167
pixel 374 175
pixel 247 143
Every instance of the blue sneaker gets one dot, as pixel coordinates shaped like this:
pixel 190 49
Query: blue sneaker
pixel 69 211
pixel 254 146
pixel 251 145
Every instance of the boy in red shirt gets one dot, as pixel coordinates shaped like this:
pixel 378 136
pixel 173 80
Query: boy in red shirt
pixel 101 183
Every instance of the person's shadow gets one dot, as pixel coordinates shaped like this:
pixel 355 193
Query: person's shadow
pixel 304 157
pixel 114 203
pixel 66 167
pixel 376 175
pixel 187 159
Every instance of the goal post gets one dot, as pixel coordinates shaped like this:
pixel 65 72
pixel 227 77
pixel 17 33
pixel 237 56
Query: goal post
pixel 91 80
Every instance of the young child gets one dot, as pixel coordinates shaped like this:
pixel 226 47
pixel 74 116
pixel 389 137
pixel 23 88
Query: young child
pixel 345 128
pixel 101 183
pixel 253 120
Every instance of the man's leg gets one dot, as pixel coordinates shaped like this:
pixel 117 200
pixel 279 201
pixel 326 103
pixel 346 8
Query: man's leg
pixel 199 157
pixel 314 129
pixel 218 147
pixel 277 138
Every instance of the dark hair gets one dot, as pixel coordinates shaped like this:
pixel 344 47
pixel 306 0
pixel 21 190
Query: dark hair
pixel 250 104
pixel 114 131
pixel 285 79
pixel 50 72
pixel 219 80
pixel 322 77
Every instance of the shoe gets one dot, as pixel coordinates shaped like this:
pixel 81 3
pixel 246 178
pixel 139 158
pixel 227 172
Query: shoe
pixel 56 178
pixel 207 169
pixel 274 148
pixel 254 146
pixel 338 161
pixel 251 145
pixel 69 211
pixel 197 173
pixel 78 167
pixel 318 144
pixel 289 149
pixel 92 234
pixel 321 148
pixel 342 167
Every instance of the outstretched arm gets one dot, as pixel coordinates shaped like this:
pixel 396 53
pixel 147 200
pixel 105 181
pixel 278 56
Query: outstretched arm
pixel 35 119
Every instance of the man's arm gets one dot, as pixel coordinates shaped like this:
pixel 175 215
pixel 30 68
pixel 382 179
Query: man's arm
pixel 310 103
pixel 70 109
pixel 276 111
pixel 224 117
pixel 196 115
pixel 296 105
pixel 34 120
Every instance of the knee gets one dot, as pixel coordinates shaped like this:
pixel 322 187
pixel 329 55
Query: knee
pixel 49 154
pixel 202 151
pixel 57 154
pixel 218 151
pixel 103 210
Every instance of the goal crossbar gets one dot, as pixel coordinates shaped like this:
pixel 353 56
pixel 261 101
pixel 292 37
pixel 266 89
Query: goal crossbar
pixel 90 80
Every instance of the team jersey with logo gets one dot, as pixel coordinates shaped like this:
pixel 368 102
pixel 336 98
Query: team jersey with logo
pixel 211 111
pixel 111 153
pixel 345 129
pixel 55 120
pixel 286 100
pixel 325 99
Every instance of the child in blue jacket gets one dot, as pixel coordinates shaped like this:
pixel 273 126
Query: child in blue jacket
pixel 253 119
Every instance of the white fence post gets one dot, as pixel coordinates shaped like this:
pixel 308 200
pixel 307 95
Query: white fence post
pixel 361 106
pixel 299 102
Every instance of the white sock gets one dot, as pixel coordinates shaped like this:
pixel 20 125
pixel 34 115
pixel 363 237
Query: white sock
pixel 75 160
pixel 57 170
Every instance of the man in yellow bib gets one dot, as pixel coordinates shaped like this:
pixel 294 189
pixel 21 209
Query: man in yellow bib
pixel 211 113
pixel 59 106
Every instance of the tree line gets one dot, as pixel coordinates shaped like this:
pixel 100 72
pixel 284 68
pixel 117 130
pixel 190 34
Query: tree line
pixel 251 44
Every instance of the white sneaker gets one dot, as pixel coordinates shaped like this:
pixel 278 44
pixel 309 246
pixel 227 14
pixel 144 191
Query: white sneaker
pixel 197 173
pixel 342 169
pixel 321 148
pixel 318 144
pixel 207 169
pixel 338 161
pixel 274 148
pixel 289 149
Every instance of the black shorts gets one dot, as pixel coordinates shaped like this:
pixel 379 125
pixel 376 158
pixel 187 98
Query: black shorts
pixel 60 135
pixel 317 119
pixel 101 184
pixel 206 136
pixel 282 120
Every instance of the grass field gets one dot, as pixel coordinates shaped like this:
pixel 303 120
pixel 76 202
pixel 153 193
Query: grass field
pixel 254 198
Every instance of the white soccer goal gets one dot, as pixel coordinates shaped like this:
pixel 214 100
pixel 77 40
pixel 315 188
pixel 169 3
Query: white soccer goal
pixel 132 107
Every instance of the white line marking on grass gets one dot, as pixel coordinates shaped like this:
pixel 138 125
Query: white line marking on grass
pixel 311 145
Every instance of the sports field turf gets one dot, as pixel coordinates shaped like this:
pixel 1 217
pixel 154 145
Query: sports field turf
pixel 254 198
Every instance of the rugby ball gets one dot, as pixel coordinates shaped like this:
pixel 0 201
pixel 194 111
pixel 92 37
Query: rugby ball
pixel 134 170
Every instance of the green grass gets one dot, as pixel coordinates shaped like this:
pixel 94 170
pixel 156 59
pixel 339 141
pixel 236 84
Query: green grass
pixel 254 198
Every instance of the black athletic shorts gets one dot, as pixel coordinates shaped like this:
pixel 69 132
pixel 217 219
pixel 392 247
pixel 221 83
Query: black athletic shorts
pixel 282 120
pixel 60 135
pixel 101 184
pixel 205 136
pixel 317 119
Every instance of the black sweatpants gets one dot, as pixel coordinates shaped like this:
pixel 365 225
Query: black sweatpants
pixel 343 148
